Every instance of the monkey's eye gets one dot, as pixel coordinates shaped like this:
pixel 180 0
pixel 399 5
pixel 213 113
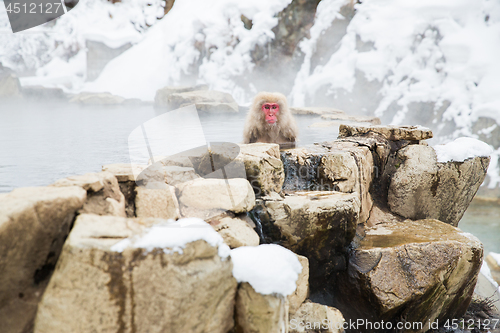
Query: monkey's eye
pixel 266 107
pixel 274 107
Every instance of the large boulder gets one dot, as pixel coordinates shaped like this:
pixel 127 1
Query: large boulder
pixel 313 317
pixel 159 280
pixel 205 100
pixel 160 203
pixel 390 132
pixel 416 271
pixel 34 222
pixel 318 225
pixel 103 193
pixel 105 98
pixel 205 196
pixel 43 93
pixel 332 166
pixel 263 166
pixel 423 188
pixel 163 94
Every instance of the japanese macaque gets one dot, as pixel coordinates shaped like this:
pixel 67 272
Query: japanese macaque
pixel 269 120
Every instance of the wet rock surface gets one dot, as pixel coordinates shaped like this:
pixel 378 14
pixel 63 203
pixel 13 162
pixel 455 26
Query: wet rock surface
pixel 332 166
pixel 318 225
pixel 418 271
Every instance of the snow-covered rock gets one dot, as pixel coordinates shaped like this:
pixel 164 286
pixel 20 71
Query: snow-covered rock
pixel 140 274
pixel 423 187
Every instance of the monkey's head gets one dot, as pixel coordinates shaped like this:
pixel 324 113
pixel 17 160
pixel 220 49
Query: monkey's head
pixel 271 106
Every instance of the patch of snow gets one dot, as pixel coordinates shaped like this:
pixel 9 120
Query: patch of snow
pixel 172 236
pixel 494 170
pixel 461 149
pixel 495 256
pixel 485 270
pixel 64 38
pixel 269 268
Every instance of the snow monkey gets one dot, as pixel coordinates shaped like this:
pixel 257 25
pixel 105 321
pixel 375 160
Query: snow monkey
pixel 269 120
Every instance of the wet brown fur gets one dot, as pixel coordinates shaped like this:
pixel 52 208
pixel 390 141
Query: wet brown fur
pixel 284 131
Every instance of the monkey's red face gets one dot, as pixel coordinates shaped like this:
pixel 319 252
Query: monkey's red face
pixel 271 110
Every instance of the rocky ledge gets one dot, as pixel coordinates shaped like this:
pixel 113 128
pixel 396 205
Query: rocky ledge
pixel 364 227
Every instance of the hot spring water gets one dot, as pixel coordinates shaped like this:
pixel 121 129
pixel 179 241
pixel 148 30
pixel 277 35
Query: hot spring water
pixel 41 142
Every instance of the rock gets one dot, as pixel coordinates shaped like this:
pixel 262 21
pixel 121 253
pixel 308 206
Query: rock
pixel 95 289
pixel 125 174
pixel 160 203
pixel 216 107
pixel 335 166
pixel 354 119
pixel 390 132
pixel 302 292
pixel 263 166
pixel 34 223
pixel 214 101
pixel 124 171
pixel 318 225
pixel 99 55
pixel 235 195
pixel 9 84
pixel 103 193
pixel 317 111
pixel 43 93
pixel 419 271
pixel 175 160
pixel 163 94
pixel 422 188
pixel 260 313
pixel 87 98
pixel 236 232
pixel 175 175
pixel 493 262
pixel 313 317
